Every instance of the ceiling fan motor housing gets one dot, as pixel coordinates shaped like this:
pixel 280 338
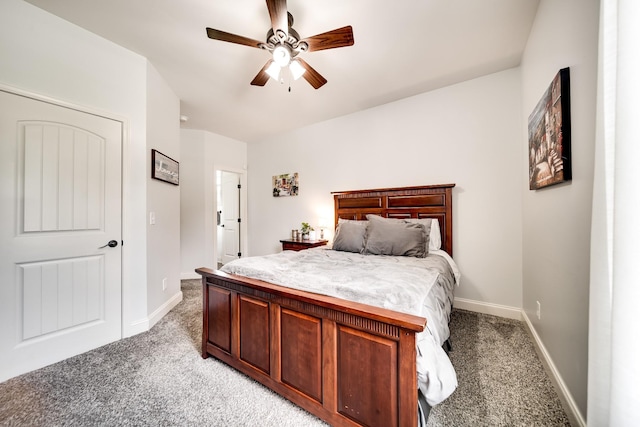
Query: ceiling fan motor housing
pixel 292 41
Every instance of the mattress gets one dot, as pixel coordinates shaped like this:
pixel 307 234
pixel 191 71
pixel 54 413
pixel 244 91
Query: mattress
pixel 418 286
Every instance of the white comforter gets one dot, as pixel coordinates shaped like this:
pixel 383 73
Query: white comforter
pixel 419 286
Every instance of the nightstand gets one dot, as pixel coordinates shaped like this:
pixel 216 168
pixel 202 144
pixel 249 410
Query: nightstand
pixel 298 245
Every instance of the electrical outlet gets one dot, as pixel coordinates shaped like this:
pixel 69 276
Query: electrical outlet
pixel 538 310
pixel 164 288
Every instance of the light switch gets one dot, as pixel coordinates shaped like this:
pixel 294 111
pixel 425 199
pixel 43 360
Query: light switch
pixel 152 218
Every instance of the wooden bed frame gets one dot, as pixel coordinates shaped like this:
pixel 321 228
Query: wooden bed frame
pixel 350 364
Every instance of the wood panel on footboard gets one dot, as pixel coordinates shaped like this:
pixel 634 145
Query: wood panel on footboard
pixel 347 363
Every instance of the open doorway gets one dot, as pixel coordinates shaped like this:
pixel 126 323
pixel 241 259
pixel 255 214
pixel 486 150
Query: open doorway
pixel 228 216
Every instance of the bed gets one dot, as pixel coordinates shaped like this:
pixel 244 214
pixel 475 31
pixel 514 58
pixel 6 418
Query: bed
pixel 348 362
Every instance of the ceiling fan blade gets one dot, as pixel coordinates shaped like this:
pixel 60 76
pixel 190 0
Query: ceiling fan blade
pixel 232 38
pixel 278 15
pixel 312 76
pixel 340 37
pixel 262 77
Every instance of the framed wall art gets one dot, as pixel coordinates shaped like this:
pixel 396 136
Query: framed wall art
pixel 285 184
pixel 164 168
pixel 550 135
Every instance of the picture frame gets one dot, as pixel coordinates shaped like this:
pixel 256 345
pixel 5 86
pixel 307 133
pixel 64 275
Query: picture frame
pixel 164 168
pixel 549 130
pixel 285 184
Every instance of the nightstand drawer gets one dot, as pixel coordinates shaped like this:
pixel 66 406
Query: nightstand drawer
pixel 298 245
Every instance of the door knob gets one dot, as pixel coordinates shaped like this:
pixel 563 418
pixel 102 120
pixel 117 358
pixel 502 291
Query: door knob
pixel 111 244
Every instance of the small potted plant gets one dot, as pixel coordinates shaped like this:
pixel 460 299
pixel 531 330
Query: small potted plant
pixel 305 230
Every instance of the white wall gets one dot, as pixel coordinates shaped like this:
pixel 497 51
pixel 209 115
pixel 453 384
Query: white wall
pixel 163 199
pixel 467 134
pixel 193 251
pixel 46 55
pixel 202 153
pixel 557 220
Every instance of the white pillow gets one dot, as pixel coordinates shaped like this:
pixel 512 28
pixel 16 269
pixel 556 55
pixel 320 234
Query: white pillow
pixel 435 238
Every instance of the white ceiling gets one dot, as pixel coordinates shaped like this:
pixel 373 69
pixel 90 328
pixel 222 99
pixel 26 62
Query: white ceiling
pixel 402 48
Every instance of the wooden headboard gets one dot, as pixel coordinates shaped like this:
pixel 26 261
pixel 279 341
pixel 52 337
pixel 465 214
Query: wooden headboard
pixel 429 201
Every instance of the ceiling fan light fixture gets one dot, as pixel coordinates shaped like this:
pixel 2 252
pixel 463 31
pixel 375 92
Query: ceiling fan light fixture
pixel 274 71
pixel 282 55
pixel 296 69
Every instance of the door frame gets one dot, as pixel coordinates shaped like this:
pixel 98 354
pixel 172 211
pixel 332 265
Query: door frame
pixel 213 254
pixel 125 287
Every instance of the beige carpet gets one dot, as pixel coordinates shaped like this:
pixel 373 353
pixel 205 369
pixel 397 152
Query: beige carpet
pixel 159 379
pixel 501 381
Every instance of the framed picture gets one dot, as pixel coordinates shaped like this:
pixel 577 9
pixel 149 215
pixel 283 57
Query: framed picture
pixel 164 168
pixel 285 184
pixel 550 135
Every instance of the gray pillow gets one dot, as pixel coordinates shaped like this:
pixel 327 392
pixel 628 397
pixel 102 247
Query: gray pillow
pixel 433 231
pixel 350 236
pixel 386 236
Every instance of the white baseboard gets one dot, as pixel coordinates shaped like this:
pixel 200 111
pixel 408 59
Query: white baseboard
pixel 136 327
pixel 488 308
pixel 190 275
pixel 164 309
pixel 143 325
pixel 569 405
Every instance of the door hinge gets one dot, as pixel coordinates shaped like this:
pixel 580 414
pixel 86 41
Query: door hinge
pixel 239 186
pixel 239 254
pixel 239 219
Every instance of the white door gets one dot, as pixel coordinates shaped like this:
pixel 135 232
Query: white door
pixel 60 180
pixel 230 216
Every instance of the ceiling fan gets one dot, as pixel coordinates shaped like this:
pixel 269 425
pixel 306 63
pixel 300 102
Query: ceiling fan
pixel 284 44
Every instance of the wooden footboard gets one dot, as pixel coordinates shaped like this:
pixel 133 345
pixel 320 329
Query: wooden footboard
pixel 347 363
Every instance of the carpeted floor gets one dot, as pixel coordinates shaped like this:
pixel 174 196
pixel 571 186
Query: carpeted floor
pixel 159 379
pixel 501 381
